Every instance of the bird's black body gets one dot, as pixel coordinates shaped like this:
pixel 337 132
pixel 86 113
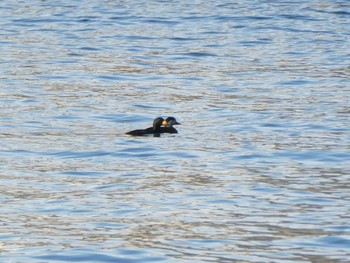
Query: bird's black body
pixel 168 125
pixel 156 129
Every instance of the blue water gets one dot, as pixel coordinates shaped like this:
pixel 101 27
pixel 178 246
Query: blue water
pixel 260 168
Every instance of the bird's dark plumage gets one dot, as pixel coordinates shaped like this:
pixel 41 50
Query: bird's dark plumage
pixel 156 129
pixel 168 125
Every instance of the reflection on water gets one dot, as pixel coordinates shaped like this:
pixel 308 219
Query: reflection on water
pixel 260 167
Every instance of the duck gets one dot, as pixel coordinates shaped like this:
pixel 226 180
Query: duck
pixel 155 130
pixel 168 125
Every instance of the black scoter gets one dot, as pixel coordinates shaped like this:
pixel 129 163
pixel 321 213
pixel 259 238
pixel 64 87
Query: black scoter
pixel 168 125
pixel 156 129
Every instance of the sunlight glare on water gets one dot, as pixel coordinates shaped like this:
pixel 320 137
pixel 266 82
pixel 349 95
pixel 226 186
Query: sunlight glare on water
pixel 259 171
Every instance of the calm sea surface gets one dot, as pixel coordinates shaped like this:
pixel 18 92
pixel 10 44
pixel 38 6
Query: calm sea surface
pixel 260 169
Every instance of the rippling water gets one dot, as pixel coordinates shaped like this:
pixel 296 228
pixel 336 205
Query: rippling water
pixel 259 171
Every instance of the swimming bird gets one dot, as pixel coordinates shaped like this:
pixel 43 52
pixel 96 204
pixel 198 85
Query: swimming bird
pixel 156 129
pixel 168 125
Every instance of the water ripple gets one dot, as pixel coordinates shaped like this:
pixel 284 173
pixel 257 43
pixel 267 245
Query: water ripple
pixel 259 170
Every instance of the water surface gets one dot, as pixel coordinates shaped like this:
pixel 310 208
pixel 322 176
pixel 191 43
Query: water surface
pixel 259 171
